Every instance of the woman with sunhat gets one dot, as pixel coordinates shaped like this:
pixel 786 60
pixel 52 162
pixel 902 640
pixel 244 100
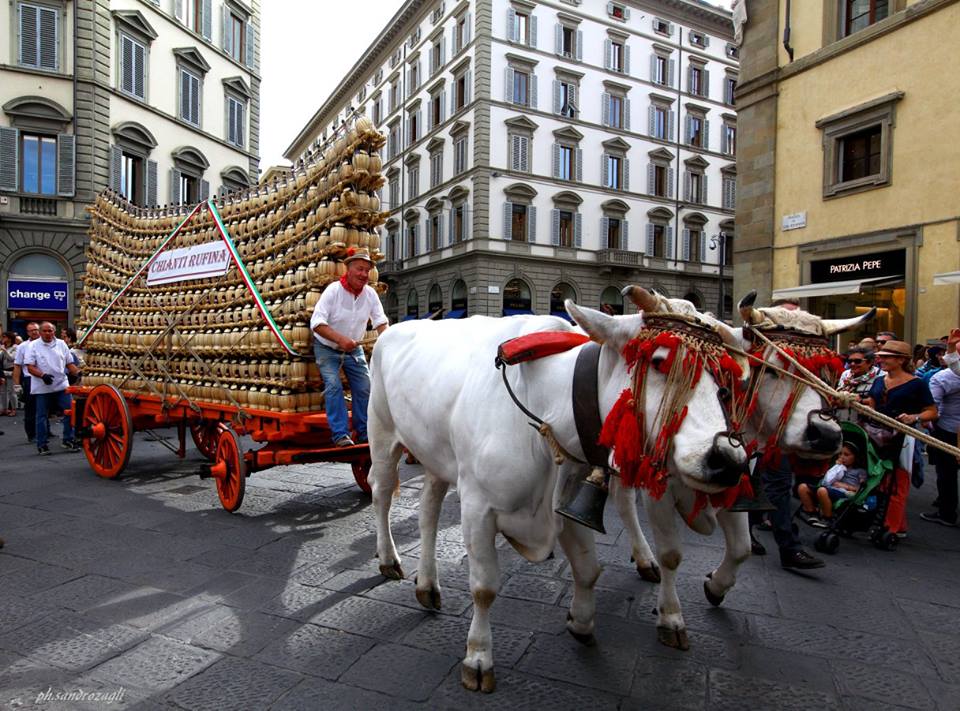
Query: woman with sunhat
pixel 900 394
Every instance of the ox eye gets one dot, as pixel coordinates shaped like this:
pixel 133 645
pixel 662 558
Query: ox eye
pixel 657 362
pixel 723 394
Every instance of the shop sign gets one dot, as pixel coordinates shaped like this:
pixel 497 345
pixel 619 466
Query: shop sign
pixel 865 266
pixel 37 295
pixel 198 262
pixel 796 221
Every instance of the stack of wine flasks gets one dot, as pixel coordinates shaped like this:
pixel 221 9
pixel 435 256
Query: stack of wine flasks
pixel 207 340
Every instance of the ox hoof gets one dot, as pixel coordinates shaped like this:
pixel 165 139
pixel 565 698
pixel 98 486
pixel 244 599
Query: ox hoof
pixel 393 571
pixel 715 600
pixel 475 679
pixel 677 639
pixel 429 598
pixel 585 638
pixel 650 573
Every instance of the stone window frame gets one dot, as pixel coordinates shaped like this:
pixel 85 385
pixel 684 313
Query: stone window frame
pixel 695 166
pixel 394 138
pixel 391 239
pixel 729 121
pixel 572 23
pixel 411 234
pixel 659 217
pixel 568 137
pixel 835 23
pixel 523 65
pixel 699 64
pixel 664 102
pixel 694 221
pixel 661 157
pixel 460 135
pixel 412 303
pixel 377 113
pixel 190 61
pixel 395 95
pixel 728 194
pixel 137 141
pixel 729 229
pixel 191 163
pixel 620 91
pixel 523 7
pixel 233 179
pixel 413 74
pixel 730 80
pixel 45 118
pixel 434 289
pixel 563 75
pixel 461 40
pixel 235 89
pixel 621 38
pixel 411 164
pixel 566 201
pixel 461 72
pixel 434 208
pixel 435 152
pixel 413 118
pixel 698 39
pixel 880 111
pixel 436 93
pixel 393 187
pixel 437 52
pixel 131 25
pixel 662 27
pixel 615 147
pixel 59 7
pixel 520 194
pixel 520 130
pixel 701 112
pixel 458 201
pixel 666 53
pixel 614 209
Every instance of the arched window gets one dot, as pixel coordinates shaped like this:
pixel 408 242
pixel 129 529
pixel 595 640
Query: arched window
pixel 561 292
pixel 413 305
pixel 611 301
pixel 391 306
pixel 458 300
pixel 694 298
pixel 38 265
pixel 434 299
pixel 516 298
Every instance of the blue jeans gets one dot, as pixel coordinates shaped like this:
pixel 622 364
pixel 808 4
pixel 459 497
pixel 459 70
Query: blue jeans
pixel 52 402
pixel 354 364
pixel 778 483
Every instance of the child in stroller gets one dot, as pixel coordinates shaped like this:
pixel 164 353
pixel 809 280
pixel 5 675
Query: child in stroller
pixel 841 481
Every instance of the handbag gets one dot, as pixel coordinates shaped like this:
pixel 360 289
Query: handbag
pixel 880 435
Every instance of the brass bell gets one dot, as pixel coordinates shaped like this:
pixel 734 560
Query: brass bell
pixel 759 502
pixel 586 508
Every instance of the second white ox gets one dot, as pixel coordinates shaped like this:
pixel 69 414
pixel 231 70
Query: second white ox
pixel 435 389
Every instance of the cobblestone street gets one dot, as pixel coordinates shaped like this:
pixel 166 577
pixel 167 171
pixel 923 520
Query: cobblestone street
pixel 145 589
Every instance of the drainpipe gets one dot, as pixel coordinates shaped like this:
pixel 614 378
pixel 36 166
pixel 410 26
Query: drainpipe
pixel 676 194
pixel 786 32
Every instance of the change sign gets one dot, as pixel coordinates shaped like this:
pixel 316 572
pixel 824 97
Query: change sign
pixel 197 262
pixel 38 295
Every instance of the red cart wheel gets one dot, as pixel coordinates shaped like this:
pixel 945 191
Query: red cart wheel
pixel 230 470
pixel 360 471
pixel 106 416
pixel 206 434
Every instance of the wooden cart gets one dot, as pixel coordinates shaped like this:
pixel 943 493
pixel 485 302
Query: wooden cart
pixel 106 419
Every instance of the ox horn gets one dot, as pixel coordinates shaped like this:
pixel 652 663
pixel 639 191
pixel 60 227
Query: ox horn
pixel 831 326
pixel 643 299
pixel 749 314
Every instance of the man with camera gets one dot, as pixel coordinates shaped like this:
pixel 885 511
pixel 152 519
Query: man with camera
pixel 51 369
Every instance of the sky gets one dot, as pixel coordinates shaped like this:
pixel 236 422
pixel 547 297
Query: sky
pixel 307 47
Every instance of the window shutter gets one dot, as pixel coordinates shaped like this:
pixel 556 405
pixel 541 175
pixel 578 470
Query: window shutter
pixel 467 28
pixel 533 91
pixel 671 66
pixel 428 233
pixel 204 190
pixel 139 70
pixel 703 190
pixel 671 179
pixel 605 109
pixel 653 68
pixel 686 187
pixel 206 19
pixel 578 50
pixel 439 232
pixel 624 235
pixel 416 131
pixel 651 178
pixel 178 10
pixel 66 161
pixel 195 100
pixel 706 135
pixel 703 245
pixel 723 139
pixel 605 233
pixel 607 51
pixel 649 240
pixel 468 86
pixel 116 159
pixel 443 50
pixel 416 238
pixel 626 114
pixel 555 227
pixel 451 224
pixel 670 127
pixel 251 37
pixel 453 98
pixel 466 221
pixel 626 59
pixel 126 64
pixel 688 129
pixel 556 161
pixel 175 187
pixel 685 246
pixel 669 237
pixel 28 36
pixel 604 170
pixel 573 97
pixel 443 105
pixel 508 220
pixel 515 152
pixel 533 30
pixel 579 156
pixel 651 120
pixel 626 174
pixel 556 97
pixel 48 38
pixel 705 84
pixel 531 223
pixel 184 95
pixel 227 34
pixel 152 183
pixel 524 154
pixel 508 80
pixel 511 24
pixel 690 79
pixel 558 39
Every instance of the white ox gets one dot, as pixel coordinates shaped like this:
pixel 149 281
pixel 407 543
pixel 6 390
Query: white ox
pixel 435 389
pixel 813 437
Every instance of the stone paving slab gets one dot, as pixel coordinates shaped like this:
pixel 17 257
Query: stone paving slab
pixel 145 585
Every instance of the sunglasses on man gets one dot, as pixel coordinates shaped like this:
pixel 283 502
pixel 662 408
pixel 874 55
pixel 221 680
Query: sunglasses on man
pixel 856 361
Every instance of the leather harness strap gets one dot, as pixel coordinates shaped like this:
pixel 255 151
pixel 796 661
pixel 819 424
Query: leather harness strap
pixel 586 405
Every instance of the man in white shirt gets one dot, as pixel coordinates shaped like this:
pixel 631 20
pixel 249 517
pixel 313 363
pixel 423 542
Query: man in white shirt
pixel 21 378
pixel 51 368
pixel 338 323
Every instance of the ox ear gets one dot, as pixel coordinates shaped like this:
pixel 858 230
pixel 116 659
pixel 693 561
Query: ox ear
pixel 615 331
pixel 642 299
pixel 839 325
pixel 749 314
pixel 735 338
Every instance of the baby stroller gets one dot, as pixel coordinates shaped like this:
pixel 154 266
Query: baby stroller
pixel 865 510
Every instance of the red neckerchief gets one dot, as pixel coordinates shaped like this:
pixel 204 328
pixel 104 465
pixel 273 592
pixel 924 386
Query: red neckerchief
pixel 345 285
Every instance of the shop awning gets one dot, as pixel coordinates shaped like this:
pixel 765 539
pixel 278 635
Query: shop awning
pixel 945 278
pixel 562 314
pixel 833 288
pixel 433 315
pixel 455 313
pixel 517 312
pixel 410 317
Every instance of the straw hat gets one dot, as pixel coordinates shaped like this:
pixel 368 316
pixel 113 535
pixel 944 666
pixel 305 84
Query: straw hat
pixel 355 253
pixel 896 348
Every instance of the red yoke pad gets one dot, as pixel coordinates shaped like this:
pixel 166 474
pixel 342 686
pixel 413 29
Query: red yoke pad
pixel 538 345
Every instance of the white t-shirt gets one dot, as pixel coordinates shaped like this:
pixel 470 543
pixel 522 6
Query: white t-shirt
pixel 346 314
pixel 21 353
pixel 51 358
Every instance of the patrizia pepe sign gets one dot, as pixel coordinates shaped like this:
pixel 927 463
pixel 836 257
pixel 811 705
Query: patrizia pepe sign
pixel 866 266
pixel 198 262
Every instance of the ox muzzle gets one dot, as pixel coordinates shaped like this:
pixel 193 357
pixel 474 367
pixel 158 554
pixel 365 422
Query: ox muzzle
pixel 822 434
pixel 726 461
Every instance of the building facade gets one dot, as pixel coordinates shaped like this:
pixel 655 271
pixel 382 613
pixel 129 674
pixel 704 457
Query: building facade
pixel 549 149
pixel 848 188
pixel 158 100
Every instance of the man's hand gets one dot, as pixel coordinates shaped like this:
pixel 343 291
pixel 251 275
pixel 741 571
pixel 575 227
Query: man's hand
pixel 47 379
pixel 347 344
pixel 72 378
pixel 952 340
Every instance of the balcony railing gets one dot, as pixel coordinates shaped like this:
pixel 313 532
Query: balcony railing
pixel 390 266
pixel 38 206
pixel 618 257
